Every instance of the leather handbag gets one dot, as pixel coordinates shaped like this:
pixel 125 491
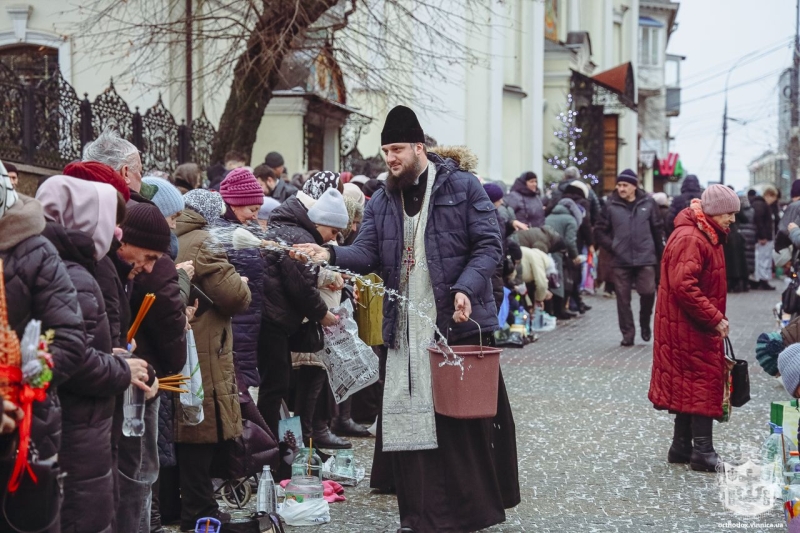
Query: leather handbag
pixel 740 377
pixel 308 339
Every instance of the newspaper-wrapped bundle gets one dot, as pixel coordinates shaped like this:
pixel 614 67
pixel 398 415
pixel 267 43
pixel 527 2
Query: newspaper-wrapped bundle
pixel 351 364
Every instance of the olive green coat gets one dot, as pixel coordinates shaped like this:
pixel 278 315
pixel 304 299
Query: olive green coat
pixel 217 278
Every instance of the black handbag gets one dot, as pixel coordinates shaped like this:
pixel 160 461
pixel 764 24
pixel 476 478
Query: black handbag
pixel 307 339
pixel 35 506
pixel 740 377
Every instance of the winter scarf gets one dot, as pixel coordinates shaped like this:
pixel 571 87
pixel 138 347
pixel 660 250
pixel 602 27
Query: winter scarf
pixel 705 224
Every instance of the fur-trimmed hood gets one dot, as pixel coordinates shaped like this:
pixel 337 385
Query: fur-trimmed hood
pixel 461 155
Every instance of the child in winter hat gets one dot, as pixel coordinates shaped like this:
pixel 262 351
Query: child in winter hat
pixel 330 210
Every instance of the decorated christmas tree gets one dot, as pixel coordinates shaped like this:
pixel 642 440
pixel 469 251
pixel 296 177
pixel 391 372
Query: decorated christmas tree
pixel 567 146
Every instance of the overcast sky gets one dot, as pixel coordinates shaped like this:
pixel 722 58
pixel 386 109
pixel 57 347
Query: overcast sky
pixel 715 35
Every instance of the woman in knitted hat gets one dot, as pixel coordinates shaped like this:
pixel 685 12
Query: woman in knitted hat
pixel 244 197
pixel 689 367
pixel 242 194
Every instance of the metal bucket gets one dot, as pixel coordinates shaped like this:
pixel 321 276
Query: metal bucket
pixel 472 394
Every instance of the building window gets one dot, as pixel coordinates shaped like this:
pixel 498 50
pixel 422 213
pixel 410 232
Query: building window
pixel 650 46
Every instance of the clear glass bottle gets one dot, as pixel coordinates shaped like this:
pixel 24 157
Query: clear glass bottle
pixel 133 412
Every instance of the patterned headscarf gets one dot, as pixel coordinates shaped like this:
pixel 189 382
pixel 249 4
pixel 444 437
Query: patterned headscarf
pixel 8 196
pixel 321 182
pixel 209 204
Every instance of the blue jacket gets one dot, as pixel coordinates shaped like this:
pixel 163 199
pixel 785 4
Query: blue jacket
pixel 247 325
pixel 462 244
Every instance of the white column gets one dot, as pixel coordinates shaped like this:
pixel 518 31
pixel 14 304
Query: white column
pixel 536 93
pixel 608 35
pixel 628 156
pixel 496 95
pixel 573 17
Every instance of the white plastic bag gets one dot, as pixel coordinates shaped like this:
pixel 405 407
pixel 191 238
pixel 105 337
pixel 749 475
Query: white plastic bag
pixel 308 513
pixel 351 364
pixel 192 401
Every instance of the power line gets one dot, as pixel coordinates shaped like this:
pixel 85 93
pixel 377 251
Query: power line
pixel 742 84
pixel 727 64
pixel 749 60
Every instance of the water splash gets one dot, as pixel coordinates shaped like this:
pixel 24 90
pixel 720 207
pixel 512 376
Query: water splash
pixel 226 238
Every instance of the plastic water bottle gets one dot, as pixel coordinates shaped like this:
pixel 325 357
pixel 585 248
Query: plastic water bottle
pixel 267 501
pixel 133 412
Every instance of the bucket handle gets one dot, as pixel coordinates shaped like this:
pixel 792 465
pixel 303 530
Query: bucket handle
pixel 480 336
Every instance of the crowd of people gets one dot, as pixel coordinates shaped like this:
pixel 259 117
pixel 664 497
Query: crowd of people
pixel 84 255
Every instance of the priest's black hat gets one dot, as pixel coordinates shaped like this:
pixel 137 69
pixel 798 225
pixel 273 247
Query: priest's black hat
pixel 402 126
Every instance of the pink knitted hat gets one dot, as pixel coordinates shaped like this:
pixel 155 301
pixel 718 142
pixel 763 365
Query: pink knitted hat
pixel 718 200
pixel 240 187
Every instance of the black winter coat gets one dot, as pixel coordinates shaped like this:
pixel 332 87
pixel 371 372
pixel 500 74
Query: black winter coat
pixel 117 306
pixel 631 231
pixel 88 397
pixel 283 191
pixel 290 287
pixel 246 326
pixel 462 245
pixel 38 287
pixel 690 189
pixel 763 219
pixel 161 339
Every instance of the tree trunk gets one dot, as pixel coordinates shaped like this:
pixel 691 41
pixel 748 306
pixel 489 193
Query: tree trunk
pixel 257 71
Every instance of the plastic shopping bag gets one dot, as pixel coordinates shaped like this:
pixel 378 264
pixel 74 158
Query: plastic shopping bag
pixel 192 401
pixel 351 364
pixel 308 513
pixel 542 321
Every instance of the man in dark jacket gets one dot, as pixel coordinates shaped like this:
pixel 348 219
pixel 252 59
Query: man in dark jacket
pixel 272 185
pixel 690 189
pixel 161 341
pixel 764 219
pixel 630 228
pixel 435 214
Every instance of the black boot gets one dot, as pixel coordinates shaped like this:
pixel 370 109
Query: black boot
pixel 344 424
pixel 681 450
pixel 704 458
pixel 646 303
pixel 325 439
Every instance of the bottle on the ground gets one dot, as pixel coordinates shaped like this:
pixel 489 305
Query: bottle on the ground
pixel 267 501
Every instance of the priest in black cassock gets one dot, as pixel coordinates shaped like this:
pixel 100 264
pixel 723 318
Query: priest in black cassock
pixel 432 235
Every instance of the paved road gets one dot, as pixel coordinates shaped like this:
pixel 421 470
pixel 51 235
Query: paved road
pixel 592 450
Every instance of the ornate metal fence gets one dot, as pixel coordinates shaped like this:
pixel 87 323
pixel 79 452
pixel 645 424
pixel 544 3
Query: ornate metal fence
pixel 47 125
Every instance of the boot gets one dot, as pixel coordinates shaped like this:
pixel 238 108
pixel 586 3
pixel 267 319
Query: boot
pixel 704 458
pixel 681 450
pixel 349 428
pixel 344 423
pixel 325 439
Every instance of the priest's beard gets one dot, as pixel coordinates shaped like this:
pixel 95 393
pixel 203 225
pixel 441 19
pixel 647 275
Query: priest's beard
pixel 406 177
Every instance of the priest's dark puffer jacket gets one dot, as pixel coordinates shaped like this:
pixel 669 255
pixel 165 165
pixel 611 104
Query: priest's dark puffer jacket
pixel 462 244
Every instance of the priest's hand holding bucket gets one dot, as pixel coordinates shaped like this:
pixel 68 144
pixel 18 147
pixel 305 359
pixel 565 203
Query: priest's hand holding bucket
pixel 463 308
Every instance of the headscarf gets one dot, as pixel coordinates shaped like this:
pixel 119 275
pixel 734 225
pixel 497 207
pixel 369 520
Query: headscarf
pixel 87 206
pixel 208 204
pixel 353 192
pixel 8 196
pixel 316 185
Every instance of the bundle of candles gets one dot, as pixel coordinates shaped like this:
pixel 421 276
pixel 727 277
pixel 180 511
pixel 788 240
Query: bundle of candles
pixel 147 303
pixel 174 383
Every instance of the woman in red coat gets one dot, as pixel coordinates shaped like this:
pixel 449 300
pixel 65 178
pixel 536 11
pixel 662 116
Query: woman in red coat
pixel 688 357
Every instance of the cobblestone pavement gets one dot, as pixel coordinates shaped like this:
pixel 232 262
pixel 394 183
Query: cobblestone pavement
pixel 592 450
